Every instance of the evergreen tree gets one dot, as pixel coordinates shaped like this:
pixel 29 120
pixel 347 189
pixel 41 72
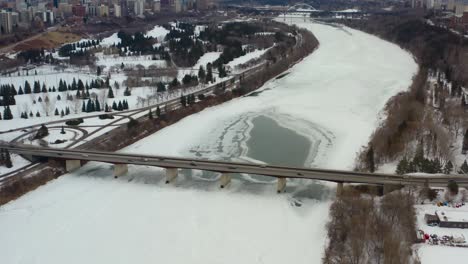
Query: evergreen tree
pixel 97 105
pixel 402 166
pixel 53 89
pixel 449 167
pixel 62 113
pixel 465 142
pixel 27 87
pixel 20 91
pixel 7 115
pixel 2 156
pixel 31 114
pixel 37 87
pixel 80 85
pixel 209 74
pixel 158 111
pixel 463 168
pixel 114 106
pixel 8 163
pixel 67 111
pixel 161 87
pixel 127 92
pixel 183 100
pixel 120 106
pixel 60 86
pixel 74 86
pixel 452 186
pixel 110 94
pixel 98 71
pixel 150 114
pixel 56 112
pixel 38 114
pixel 58 97
pixel 89 106
pixel 436 166
pixel 106 108
pixel 44 89
pixel 175 82
pixel 83 107
pixel 201 73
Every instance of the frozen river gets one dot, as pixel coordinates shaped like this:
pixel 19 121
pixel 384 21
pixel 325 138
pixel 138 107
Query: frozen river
pixel 319 115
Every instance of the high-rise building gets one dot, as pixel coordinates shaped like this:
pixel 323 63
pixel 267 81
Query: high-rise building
pixel 165 5
pixel 124 8
pixel 49 17
pixel 117 10
pixel 91 10
pixel 178 6
pixel 206 4
pixel 157 6
pixel 79 10
pixel 6 23
pixel 139 7
pixel 103 11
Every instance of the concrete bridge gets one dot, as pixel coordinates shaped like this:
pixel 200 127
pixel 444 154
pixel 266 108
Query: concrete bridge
pixel 75 158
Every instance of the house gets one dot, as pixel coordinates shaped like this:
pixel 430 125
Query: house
pixel 452 219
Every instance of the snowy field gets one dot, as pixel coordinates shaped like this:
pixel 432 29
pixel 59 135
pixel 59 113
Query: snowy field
pixel 436 255
pixel 337 92
pixel 428 253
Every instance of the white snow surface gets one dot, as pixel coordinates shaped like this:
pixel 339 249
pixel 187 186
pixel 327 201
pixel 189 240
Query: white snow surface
pixel 157 32
pixel 89 217
pixel 208 57
pixel 437 254
pixel 111 40
pixel 247 57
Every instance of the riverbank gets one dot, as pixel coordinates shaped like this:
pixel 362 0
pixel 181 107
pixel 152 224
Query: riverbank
pixel 329 98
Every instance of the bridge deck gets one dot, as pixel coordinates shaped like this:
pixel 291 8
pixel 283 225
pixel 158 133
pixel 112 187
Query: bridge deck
pixel 234 167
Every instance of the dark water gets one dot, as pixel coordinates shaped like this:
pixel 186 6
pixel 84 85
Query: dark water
pixel 277 145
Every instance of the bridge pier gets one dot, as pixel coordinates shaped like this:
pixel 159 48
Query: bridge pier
pixel 225 180
pixel 339 189
pixel 120 169
pixel 71 165
pixel 171 174
pixel 281 185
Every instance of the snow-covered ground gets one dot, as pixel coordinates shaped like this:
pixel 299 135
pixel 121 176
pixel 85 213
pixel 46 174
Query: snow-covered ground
pixel 111 40
pixel 247 57
pixel 17 162
pixel 337 92
pixel 129 62
pixel 436 253
pixel 158 33
pixel 208 57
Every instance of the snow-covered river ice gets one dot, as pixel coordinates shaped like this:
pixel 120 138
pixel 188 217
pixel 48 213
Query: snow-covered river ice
pixel 319 115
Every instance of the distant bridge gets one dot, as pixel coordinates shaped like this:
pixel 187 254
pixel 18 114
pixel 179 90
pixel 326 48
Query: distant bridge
pixel 74 159
pixel 301 8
